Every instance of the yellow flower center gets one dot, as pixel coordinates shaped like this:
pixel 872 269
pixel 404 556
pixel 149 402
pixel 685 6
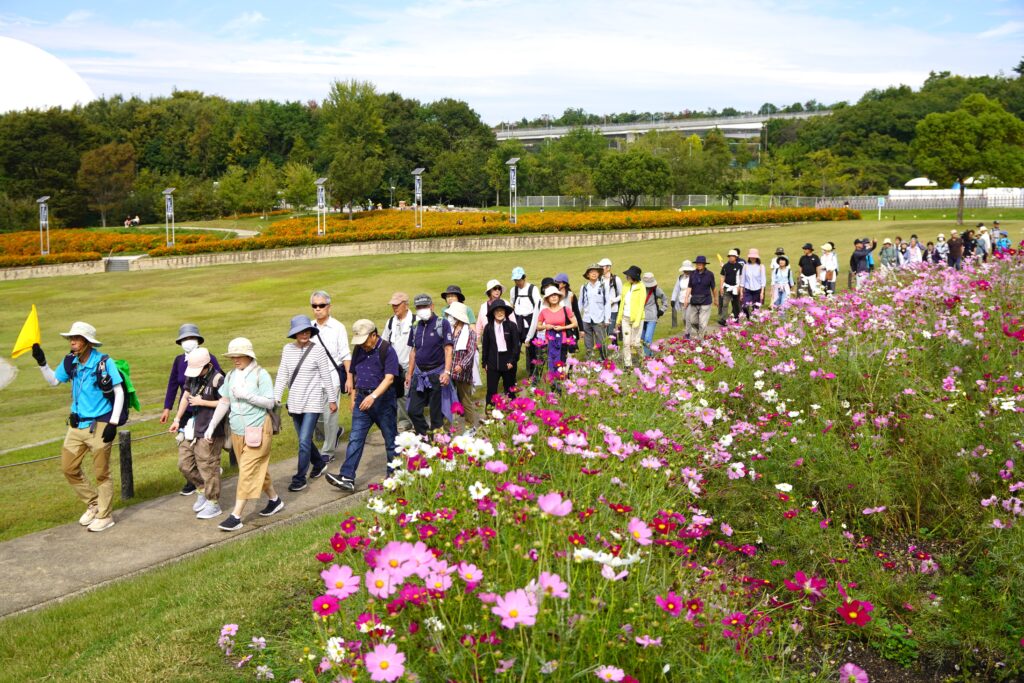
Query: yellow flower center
pixel 339 584
pixel 853 615
pixel 514 613
pixel 636 534
pixel 384 665
pixel 378 583
pixel 438 584
pixel 393 563
pixel 671 606
pixel 326 605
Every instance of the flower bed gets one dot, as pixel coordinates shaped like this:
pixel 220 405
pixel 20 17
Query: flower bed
pixel 738 509
pixel 66 244
pixel 398 225
pixel 38 260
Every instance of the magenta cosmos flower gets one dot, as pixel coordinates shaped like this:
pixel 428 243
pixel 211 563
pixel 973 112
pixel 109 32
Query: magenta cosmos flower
pixel 855 611
pixel 851 673
pixel 385 663
pixel 516 607
pixel 554 505
pixel 325 605
pixel 811 586
pixel 340 581
pixel 671 603
pixel 639 531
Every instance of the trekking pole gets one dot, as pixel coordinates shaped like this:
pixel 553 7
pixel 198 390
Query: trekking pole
pixel 124 447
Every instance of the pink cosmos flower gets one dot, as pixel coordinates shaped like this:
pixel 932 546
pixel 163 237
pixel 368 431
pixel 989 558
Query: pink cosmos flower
pixel 609 673
pixel 385 663
pixel 496 467
pixel 646 641
pixel 380 584
pixel 671 603
pixel 640 532
pixel 515 607
pixel 553 504
pixel 325 605
pixel 469 573
pixel 552 586
pixel 340 581
pixel 811 586
pixel 851 673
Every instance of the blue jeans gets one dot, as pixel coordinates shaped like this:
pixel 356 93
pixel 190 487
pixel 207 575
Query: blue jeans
pixel 305 424
pixel 384 414
pixel 648 336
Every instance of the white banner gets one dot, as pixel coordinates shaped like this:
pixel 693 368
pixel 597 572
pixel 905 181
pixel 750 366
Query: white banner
pixel 321 197
pixel 419 189
pixel 512 178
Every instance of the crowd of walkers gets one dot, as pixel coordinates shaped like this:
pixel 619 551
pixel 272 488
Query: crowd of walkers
pixel 423 367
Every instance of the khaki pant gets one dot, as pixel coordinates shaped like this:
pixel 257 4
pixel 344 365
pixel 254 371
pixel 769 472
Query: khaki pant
pixel 697 318
pixel 464 390
pixel 631 340
pixel 199 462
pixel 253 464
pixel 76 444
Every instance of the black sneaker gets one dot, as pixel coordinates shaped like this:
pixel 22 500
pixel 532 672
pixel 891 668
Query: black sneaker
pixel 188 489
pixel 318 471
pixel 232 523
pixel 343 483
pixel 293 487
pixel 273 507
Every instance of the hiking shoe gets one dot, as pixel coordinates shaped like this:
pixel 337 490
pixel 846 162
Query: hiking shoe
pixel 343 483
pixel 318 471
pixel 209 511
pixel 101 524
pixel 200 503
pixel 232 523
pixel 273 507
pixel 88 516
pixel 188 489
pixel 294 488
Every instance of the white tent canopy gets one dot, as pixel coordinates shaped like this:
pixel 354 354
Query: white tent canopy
pixel 920 182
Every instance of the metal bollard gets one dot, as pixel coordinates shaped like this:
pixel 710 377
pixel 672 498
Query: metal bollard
pixel 124 447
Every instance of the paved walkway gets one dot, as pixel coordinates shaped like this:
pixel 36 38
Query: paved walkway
pixel 56 564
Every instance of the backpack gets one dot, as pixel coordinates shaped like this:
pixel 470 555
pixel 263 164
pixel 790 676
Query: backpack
pixel 523 321
pixel 105 384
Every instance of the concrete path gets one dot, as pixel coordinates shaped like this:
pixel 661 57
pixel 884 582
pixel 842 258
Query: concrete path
pixel 56 564
pixel 239 232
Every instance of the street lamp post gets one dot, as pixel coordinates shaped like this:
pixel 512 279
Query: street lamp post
pixel 391 204
pixel 417 203
pixel 321 207
pixel 513 193
pixel 169 216
pixel 44 225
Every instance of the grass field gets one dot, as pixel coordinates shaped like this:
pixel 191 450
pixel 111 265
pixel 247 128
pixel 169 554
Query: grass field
pixel 137 315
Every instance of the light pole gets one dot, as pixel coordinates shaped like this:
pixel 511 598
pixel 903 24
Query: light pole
pixel 169 216
pixel 513 194
pixel 417 202
pixel 44 225
pixel 391 204
pixel 321 207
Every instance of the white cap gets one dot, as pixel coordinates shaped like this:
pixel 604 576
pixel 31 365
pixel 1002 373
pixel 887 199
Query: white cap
pixel 604 262
pixel 196 361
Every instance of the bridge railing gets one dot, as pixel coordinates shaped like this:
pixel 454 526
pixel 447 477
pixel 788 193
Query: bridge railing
pixel 861 203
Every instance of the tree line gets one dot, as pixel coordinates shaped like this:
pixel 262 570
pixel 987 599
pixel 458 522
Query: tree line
pixel 114 156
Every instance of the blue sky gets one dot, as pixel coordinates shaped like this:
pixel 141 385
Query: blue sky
pixel 525 58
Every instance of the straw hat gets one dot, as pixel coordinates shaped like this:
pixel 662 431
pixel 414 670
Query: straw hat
pixel 83 330
pixel 240 346
pixel 826 247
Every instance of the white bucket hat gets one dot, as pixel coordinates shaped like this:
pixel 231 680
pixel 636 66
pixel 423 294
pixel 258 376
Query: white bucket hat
pixel 459 311
pixel 491 284
pixel 240 346
pixel 604 262
pixel 83 330
pixel 552 291
pixel 687 266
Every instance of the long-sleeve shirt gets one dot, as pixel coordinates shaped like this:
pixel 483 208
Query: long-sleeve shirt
pixel 464 358
pixel 753 276
pixel 177 381
pixel 316 376
pixel 595 303
pixel 680 289
pixel 334 337
pixel 651 304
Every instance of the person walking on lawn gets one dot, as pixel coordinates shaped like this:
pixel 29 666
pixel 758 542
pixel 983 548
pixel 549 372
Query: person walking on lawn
pixel 809 264
pixel 309 377
pixel 701 299
pixel 375 369
pixel 595 311
pixel 679 291
pixel 428 382
pixel 97 405
pixel 631 314
pixel 199 459
pixel 188 339
pixel 493 292
pixel 333 336
pixel 464 366
pixel 729 290
pixel 655 305
pixel 396 332
pixel 247 397
pixel 500 349
pixel 527 304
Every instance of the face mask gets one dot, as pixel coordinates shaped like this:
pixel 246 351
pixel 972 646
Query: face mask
pixel 451 320
pixel 189 345
pixel 423 314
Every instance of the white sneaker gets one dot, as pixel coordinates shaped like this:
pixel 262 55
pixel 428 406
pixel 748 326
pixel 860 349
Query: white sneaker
pixel 101 524
pixel 88 516
pixel 200 503
pixel 210 510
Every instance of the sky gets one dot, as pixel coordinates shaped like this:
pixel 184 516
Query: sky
pixel 514 58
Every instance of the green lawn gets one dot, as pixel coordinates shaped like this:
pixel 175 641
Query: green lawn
pixel 137 315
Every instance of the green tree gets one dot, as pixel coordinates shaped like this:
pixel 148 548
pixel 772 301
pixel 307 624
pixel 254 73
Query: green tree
pixel 980 137
pixel 352 114
pixel 261 189
pixel 106 174
pixel 299 184
pixel 16 214
pixel 497 172
pixel 627 175
pixel 231 193
pixel 354 173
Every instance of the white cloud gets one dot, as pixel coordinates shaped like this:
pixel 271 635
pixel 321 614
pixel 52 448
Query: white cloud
pixel 1010 28
pixel 510 59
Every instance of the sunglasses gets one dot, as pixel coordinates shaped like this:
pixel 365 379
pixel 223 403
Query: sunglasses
pixel 320 305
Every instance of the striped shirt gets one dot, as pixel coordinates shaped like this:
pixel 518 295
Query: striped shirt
pixel 308 393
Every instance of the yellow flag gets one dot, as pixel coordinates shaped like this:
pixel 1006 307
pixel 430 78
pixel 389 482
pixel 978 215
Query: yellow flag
pixel 720 259
pixel 29 334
